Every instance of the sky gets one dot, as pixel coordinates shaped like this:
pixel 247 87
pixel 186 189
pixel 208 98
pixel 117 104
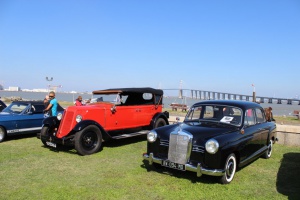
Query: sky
pixel 213 45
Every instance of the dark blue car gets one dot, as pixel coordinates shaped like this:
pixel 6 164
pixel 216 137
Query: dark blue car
pixel 22 117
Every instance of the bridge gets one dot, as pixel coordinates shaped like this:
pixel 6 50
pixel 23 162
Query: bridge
pixel 210 95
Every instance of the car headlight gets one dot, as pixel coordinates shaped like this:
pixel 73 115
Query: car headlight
pixel 78 118
pixel 212 146
pixel 59 116
pixel 151 136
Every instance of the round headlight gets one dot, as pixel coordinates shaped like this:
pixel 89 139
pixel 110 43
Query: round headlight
pixel 151 136
pixel 59 116
pixel 78 118
pixel 212 146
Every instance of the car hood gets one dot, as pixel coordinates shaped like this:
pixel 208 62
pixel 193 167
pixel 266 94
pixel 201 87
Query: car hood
pixel 6 114
pixel 199 132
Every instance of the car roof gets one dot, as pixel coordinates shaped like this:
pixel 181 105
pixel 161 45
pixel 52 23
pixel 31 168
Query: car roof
pixel 239 103
pixel 129 90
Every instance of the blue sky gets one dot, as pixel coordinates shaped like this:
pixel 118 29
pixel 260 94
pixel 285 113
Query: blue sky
pixel 223 46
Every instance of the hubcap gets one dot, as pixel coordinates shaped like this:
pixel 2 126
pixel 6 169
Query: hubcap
pixel 229 169
pixel 89 140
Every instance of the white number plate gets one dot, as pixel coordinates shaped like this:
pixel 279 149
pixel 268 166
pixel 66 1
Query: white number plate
pixel 51 144
pixel 173 165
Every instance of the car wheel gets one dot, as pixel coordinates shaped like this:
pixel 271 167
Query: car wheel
pixel 230 168
pixel 268 153
pixel 160 122
pixel 88 140
pixel 2 134
pixel 45 132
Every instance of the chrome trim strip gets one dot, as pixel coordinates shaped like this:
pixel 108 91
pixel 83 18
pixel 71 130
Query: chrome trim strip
pixel 198 169
pixel 24 129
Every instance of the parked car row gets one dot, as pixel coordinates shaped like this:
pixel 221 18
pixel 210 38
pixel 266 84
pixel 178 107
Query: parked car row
pixel 215 138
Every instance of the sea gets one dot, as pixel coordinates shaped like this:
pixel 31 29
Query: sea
pixel 283 109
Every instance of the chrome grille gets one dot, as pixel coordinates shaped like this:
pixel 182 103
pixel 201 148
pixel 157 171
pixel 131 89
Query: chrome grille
pixel 180 147
pixel 197 148
pixel 164 142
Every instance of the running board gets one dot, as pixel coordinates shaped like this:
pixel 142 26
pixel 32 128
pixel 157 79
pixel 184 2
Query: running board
pixel 143 132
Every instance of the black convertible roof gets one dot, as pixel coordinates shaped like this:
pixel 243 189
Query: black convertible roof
pixel 30 102
pixel 129 90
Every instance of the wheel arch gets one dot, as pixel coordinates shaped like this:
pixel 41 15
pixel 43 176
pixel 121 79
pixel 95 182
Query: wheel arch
pixel 272 135
pixel 85 123
pixel 51 122
pixel 156 117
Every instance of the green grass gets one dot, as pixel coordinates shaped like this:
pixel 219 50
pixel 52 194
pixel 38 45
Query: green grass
pixel 31 171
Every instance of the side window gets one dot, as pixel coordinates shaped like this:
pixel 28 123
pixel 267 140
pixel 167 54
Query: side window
pixel 249 117
pixel 260 116
pixel 194 113
pixel 158 99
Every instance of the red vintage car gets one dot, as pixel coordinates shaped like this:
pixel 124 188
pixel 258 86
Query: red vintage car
pixel 120 113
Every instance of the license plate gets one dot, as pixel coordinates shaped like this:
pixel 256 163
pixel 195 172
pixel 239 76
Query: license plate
pixel 51 144
pixel 173 165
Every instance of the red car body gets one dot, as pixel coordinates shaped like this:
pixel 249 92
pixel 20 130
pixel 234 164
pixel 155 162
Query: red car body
pixel 134 111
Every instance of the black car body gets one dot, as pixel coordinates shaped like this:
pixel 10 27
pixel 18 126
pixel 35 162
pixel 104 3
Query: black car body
pixel 215 138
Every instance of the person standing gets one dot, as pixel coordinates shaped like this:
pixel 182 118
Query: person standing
pixel 46 103
pixel 52 104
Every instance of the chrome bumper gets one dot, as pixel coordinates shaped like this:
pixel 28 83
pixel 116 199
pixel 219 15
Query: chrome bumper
pixel 193 168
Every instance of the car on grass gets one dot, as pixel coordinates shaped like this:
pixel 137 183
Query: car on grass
pixel 22 117
pixel 215 138
pixel 119 113
pixel 2 105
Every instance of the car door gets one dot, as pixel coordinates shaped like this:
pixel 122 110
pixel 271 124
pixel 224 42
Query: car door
pixel 124 117
pixel 30 120
pixel 251 139
pixel 146 109
pixel 262 127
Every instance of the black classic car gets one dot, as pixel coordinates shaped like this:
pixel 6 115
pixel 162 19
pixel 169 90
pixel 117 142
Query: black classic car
pixel 214 139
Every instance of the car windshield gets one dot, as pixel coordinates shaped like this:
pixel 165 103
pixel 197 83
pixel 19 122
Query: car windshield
pixel 111 98
pixel 15 108
pixel 216 113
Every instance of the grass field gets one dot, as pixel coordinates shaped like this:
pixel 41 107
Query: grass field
pixel 31 171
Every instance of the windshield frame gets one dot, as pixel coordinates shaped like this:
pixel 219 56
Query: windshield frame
pixel 217 113
pixel 9 109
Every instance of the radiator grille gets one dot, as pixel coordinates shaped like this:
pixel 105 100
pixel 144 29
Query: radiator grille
pixel 68 122
pixel 179 147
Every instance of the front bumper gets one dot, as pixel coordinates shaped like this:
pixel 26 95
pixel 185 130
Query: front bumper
pixel 67 141
pixel 193 168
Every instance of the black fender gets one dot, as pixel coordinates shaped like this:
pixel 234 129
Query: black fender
pixel 52 122
pixel 272 134
pixel 83 124
pixel 164 115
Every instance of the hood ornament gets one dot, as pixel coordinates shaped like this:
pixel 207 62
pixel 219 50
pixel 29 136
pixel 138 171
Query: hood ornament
pixel 180 128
